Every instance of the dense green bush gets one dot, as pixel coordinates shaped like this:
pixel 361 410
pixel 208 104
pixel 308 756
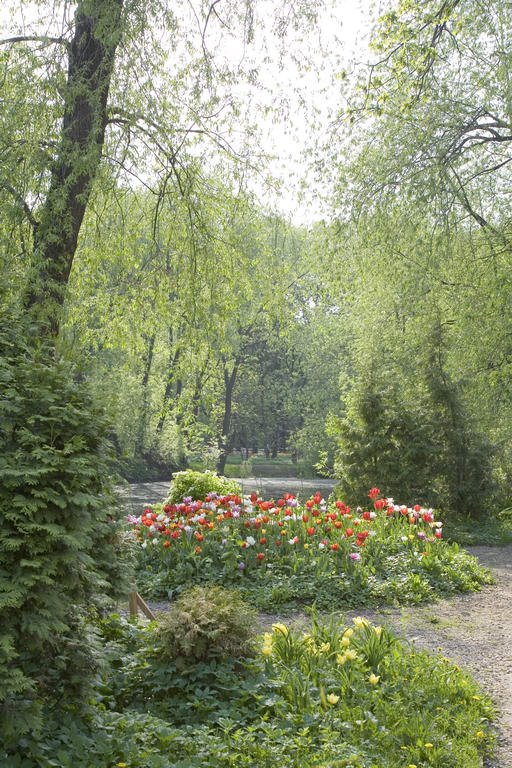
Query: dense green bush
pixel 198 485
pixel 204 623
pixel 148 468
pixel 59 544
pixel 420 444
pixel 383 439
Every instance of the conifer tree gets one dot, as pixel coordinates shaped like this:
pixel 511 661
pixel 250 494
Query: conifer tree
pixel 59 544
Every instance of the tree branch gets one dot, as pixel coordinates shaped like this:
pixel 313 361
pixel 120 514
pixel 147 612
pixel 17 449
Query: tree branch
pixel 47 40
pixel 22 202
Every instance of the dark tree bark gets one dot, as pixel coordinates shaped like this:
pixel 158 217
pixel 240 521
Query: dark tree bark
pixel 229 386
pixel 201 378
pixel 174 356
pixel 144 415
pixel 91 53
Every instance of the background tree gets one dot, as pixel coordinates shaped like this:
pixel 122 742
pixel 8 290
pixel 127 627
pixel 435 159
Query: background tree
pixel 421 244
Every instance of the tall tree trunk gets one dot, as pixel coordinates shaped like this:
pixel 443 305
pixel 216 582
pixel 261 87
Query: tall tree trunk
pixel 174 356
pixel 144 416
pixel 91 53
pixel 198 389
pixel 224 444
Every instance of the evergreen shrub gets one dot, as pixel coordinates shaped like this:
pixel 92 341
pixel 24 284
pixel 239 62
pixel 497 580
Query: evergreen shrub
pixel 425 448
pixel 59 544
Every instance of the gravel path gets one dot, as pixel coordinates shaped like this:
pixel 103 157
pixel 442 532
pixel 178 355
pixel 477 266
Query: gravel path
pixel 474 630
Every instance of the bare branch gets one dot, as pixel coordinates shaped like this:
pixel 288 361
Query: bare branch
pixel 492 169
pixel 45 39
pixel 461 194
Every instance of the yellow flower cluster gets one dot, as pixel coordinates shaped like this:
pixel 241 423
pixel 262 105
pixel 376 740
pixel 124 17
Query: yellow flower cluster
pixel 348 655
pixel 267 644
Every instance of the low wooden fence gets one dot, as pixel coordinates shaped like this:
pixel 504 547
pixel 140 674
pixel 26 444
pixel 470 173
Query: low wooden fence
pixel 136 604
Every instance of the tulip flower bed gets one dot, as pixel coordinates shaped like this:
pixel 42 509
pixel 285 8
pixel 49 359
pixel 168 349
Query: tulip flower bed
pixel 282 553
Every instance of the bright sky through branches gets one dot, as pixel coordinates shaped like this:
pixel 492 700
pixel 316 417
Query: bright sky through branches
pixel 299 94
pixel 289 87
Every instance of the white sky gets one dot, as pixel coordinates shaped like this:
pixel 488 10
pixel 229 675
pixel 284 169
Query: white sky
pixel 292 106
pixel 307 101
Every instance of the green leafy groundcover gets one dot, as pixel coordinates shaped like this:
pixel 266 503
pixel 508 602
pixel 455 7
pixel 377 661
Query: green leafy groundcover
pixel 280 553
pixel 329 697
